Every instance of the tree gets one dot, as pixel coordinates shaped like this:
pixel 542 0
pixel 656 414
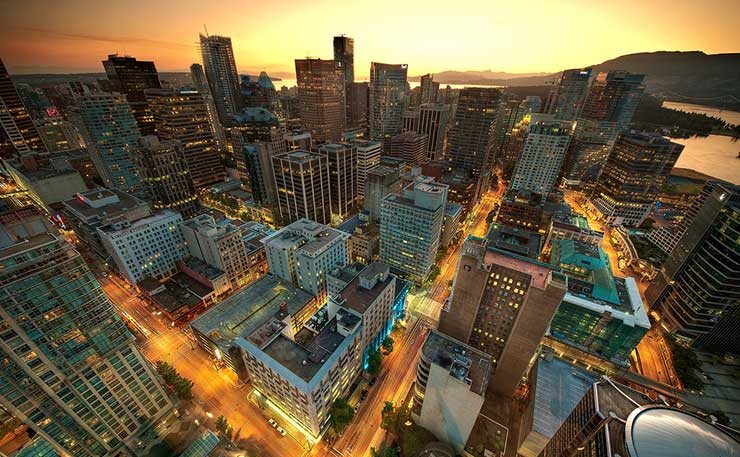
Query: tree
pixel 374 360
pixel 384 451
pixel 341 414
pixel 223 428
pixel 182 387
pixel 387 345
pixel 392 419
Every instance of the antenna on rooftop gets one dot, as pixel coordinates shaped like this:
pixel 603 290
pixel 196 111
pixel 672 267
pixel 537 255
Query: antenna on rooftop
pixel 206 29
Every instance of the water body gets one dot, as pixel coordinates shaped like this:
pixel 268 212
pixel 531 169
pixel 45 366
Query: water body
pixel 732 117
pixel 412 84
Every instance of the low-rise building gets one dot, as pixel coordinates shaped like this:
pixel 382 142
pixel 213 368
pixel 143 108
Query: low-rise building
pixel 338 278
pixel 573 227
pixel 453 213
pixel 514 240
pixel 521 209
pixel 47 186
pixel 207 275
pixel 178 297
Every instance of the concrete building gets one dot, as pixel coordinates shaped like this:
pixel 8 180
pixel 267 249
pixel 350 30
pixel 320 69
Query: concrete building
pixel 219 244
pixel 501 304
pixel 539 163
pixel 368 158
pixel 321 98
pixel 18 135
pixel 303 186
pixel 410 147
pixel 95 208
pixel 148 247
pixel 110 131
pixel 221 72
pixel 635 171
pixel 71 377
pixel 514 240
pixel 165 176
pixel 359 102
pixel 432 122
pixel 296 139
pixel 429 89
pixel 338 278
pixel 181 115
pixel 201 85
pixel 521 209
pixel 573 227
pixel 450 388
pixel 387 92
pixel 568 94
pixel 451 223
pixel 364 240
pixel 411 228
pixel 380 181
pixel 343 173
pixel 304 251
pixel 47 186
pixel 58 135
pixel 600 314
pixel 132 77
pixel 344 56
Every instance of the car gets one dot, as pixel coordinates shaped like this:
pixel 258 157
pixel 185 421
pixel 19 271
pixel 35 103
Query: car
pixel 357 407
pixel 103 274
pixel 281 431
pixel 363 395
pixel 273 423
pixel 372 380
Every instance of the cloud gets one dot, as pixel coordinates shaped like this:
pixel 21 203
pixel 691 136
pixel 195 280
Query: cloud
pixel 108 38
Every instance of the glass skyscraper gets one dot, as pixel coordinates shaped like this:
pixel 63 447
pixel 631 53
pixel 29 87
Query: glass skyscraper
pixel 388 89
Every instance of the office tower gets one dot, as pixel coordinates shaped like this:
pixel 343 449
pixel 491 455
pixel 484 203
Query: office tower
pixel 359 102
pixel 631 180
pixel 304 251
pixel 411 228
pixel 409 146
pixel 146 248
pixel 410 120
pixel 568 94
pixel 387 91
pixel 296 139
pixel 58 135
pixel 110 131
pixel 468 146
pixel 344 56
pixel 433 123
pixel 18 135
pixel 65 348
pixel 181 115
pixel 201 85
pixel 600 314
pixel 429 89
pixel 697 291
pixel 368 158
pixel 501 304
pixel 450 388
pixel 380 181
pixel 165 176
pixel 220 245
pixel 342 177
pixel 539 163
pixel 607 111
pixel 320 98
pixel 132 77
pixel 302 182
pixel 504 149
pixel 260 92
pixel 222 75
pixel 613 419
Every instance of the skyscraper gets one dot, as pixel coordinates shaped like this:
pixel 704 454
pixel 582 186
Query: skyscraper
pixel 65 349
pixel 539 163
pixel 181 115
pixel 201 85
pixel 635 171
pixel 388 88
pixel 567 96
pixel 18 135
pixel 342 177
pixel 110 131
pixel 429 89
pixel 380 181
pixel 505 148
pixel 344 56
pixel 359 100
pixel 433 123
pixel 165 176
pixel 368 158
pixel 302 183
pixel 697 292
pixel 320 98
pixel 410 147
pixel 468 147
pixel 222 75
pixel 132 77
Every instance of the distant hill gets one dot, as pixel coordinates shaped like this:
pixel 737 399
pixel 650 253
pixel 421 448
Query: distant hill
pixel 468 77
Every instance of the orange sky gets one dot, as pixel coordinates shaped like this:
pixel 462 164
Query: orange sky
pixel 429 35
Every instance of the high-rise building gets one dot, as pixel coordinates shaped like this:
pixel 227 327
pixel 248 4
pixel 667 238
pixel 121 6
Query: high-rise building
pixel 181 115
pixel 18 136
pixel 65 348
pixel 380 181
pixel 222 75
pixel 411 227
pixel 344 56
pixel 368 158
pixel 58 135
pixel 433 123
pixel 110 131
pixel 132 77
pixel 429 89
pixel 505 148
pixel 165 176
pixel 697 292
pixel 321 98
pixel 410 147
pixel 468 146
pixel 201 85
pixel 568 94
pixel 501 304
pixel 302 183
pixel 342 177
pixel 388 89
pixel 359 102
pixel 629 185
pixel 539 163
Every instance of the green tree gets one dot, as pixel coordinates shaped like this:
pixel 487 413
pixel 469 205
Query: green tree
pixel 341 414
pixel 393 419
pixel 374 360
pixel 182 387
pixel 387 345
pixel 223 428
pixel 384 451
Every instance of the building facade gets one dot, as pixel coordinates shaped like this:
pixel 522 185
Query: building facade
pixel 132 77
pixel 568 94
pixel 409 147
pixel 321 98
pixel 18 135
pixel 368 158
pixel 343 173
pixel 302 183
pixel 539 163
pixel 222 75
pixel 387 92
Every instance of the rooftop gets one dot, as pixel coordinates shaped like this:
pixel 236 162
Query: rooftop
pixel 175 293
pixel 305 236
pixel 365 288
pixel 540 272
pixel 299 156
pixel 202 268
pixel 453 209
pixel 587 262
pixel 463 362
pixel 102 202
pixel 515 240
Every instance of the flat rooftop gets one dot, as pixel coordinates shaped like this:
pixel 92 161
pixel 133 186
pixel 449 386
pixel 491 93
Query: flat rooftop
pixel 242 313
pixel 357 297
pixel 308 237
pixel 539 272
pixel 515 240
pixel 202 268
pixel 300 156
pixel 120 203
pixel 463 362
pixel 29 243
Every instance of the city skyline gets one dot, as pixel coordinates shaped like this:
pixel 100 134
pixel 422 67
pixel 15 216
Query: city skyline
pixel 70 43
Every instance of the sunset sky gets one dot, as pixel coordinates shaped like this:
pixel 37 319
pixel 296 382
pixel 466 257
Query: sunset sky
pixel 431 36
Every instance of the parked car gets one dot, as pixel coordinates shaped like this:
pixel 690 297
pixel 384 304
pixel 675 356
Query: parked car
pixel 357 407
pixel 363 395
pixel 273 423
pixel 372 380
pixel 281 431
